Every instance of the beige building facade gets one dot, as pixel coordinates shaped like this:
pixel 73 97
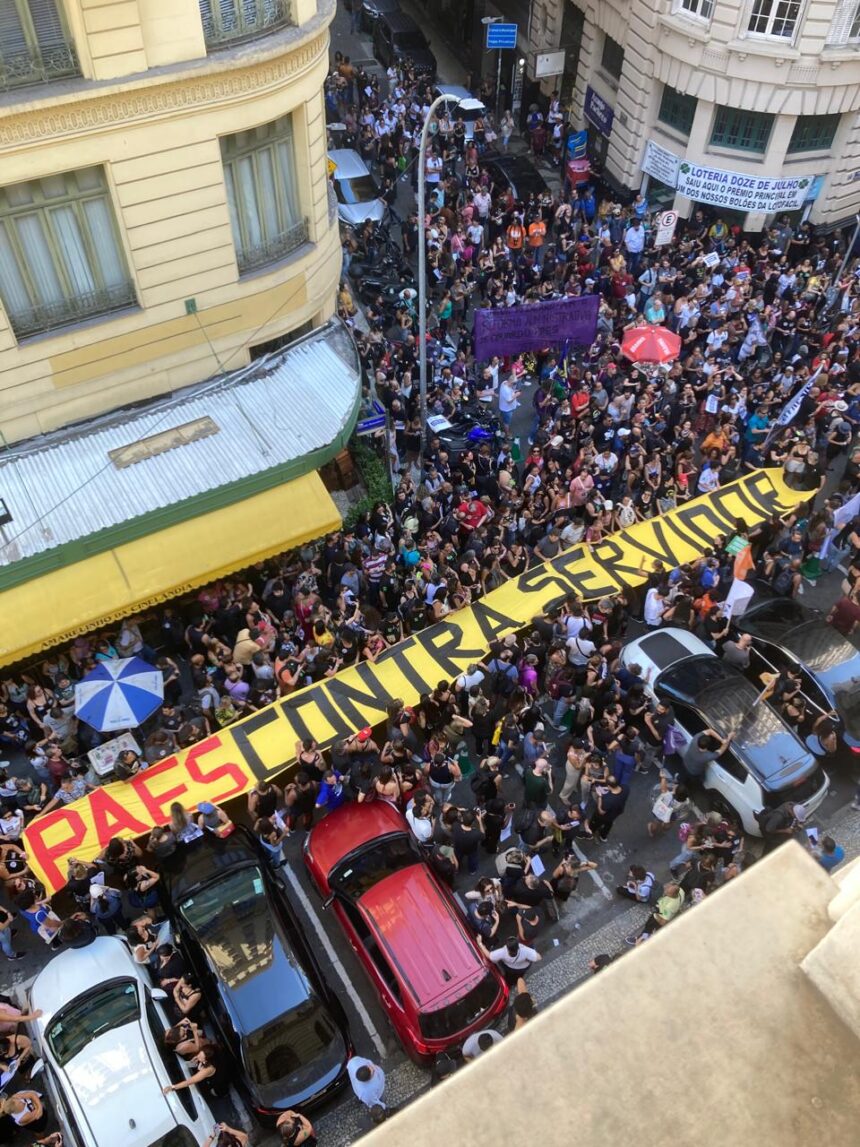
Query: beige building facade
pixel 165 212
pixel 767 90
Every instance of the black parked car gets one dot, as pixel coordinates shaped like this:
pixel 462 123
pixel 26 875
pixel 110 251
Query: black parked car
pixel 516 172
pixel 268 998
pixel 788 635
pixel 371 10
pixel 398 39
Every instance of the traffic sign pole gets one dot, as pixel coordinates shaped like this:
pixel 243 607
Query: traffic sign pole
pixel 499 37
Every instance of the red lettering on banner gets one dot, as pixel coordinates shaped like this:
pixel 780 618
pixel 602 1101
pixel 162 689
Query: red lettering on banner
pixel 155 803
pixel 110 818
pixel 46 855
pixel 227 769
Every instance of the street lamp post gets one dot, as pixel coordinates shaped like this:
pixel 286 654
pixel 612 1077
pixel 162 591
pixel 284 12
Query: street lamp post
pixel 422 276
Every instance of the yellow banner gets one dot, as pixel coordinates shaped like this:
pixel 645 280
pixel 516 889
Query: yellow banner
pixel 262 745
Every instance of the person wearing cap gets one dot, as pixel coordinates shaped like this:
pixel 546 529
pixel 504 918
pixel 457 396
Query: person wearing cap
pixel 106 908
pixel 211 818
pixel 361 743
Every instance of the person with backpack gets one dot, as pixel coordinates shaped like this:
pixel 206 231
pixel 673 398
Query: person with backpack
pixel 639 885
pixel 779 824
pixel 786 576
pixel 667 908
pixel 486 782
pixel 503 676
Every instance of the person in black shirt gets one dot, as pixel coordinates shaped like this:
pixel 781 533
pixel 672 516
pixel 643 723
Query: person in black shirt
pixel 467 835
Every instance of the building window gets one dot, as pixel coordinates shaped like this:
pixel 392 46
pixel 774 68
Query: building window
pixel 813 133
pixel 34 44
pixel 612 60
pixel 742 131
pixel 776 18
pixel 260 172
pixel 229 21
pixel 677 110
pixel 60 254
pixel 845 28
pixel 700 9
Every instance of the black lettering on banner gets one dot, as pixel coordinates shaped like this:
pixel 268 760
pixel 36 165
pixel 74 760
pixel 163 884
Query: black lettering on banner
pixel 314 698
pixel 666 553
pixel 399 656
pixel 374 696
pixel 543 578
pixel 612 560
pixel 736 490
pixel 689 514
pixel 241 733
pixel 491 622
pixel 761 489
pixel 580 567
pixel 442 643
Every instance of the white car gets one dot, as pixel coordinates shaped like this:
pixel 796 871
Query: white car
pixel 357 191
pixel 766 762
pixel 102 1060
pixel 461 104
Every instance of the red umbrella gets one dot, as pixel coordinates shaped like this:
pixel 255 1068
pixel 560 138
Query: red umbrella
pixel 651 344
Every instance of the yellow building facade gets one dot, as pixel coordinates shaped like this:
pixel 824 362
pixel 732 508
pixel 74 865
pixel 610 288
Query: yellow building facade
pixel 165 210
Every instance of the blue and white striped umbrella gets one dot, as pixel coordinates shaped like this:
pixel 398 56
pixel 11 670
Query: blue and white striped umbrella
pixel 119 694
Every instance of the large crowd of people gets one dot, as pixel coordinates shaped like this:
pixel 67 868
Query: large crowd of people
pixel 523 765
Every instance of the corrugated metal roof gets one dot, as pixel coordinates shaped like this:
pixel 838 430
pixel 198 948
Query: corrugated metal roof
pixel 63 486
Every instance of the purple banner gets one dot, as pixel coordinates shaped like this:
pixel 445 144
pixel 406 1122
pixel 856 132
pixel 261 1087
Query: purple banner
pixel 532 326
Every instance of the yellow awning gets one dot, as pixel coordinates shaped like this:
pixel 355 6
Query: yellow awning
pixel 107 587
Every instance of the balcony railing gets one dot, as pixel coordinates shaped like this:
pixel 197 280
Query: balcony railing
pixel 40 66
pixel 273 249
pixel 46 316
pixel 228 22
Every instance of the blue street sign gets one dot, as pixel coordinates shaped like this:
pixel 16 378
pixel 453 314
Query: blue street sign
pixel 374 418
pixel 501 35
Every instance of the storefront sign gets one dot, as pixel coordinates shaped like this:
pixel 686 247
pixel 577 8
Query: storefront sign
pixel 660 163
pixel 229 762
pixel 598 112
pixel 532 326
pixel 741 192
pixel 549 64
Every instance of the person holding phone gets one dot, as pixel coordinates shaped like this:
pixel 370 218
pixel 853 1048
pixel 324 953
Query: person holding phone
pixel 222 1135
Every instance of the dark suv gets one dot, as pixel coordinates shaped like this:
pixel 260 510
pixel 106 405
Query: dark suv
pixel 397 39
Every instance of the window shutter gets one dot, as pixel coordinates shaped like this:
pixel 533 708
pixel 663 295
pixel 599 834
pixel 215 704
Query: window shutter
pixel 12 41
pixel 229 10
pixel 206 18
pixel 840 29
pixel 47 24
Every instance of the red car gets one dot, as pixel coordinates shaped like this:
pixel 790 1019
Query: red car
pixel 405 926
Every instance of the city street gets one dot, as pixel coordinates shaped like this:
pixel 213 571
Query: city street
pixel 595 919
